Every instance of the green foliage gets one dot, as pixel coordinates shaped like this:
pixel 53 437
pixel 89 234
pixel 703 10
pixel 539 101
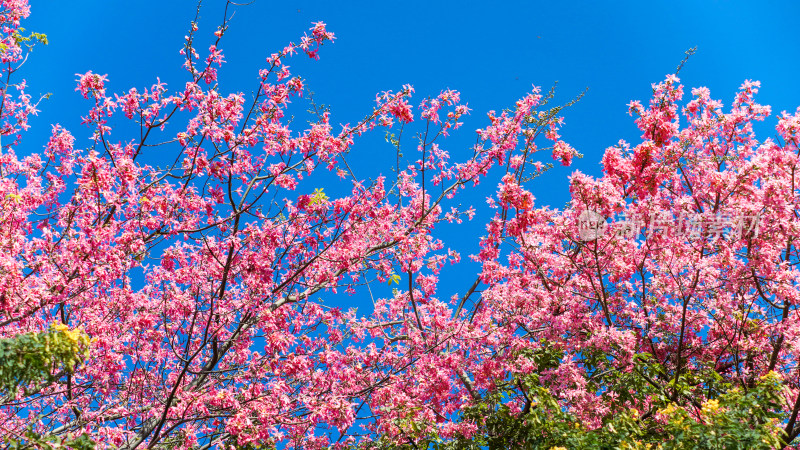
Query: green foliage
pixel 543 424
pixel 40 358
pixel 319 197
pixel 29 41
pixel 735 420
pixel 32 361
pixel 31 440
pixel 731 417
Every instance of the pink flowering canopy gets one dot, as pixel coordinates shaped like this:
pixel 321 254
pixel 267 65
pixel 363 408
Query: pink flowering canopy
pixel 199 280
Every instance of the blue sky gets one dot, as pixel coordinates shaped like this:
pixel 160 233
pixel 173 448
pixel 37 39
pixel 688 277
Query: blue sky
pixel 491 52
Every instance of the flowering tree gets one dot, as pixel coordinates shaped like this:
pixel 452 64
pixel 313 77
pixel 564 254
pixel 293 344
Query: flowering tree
pixel 227 341
pixel 689 299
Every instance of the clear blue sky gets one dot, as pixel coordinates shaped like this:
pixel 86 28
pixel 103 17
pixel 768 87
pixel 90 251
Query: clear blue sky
pixel 490 51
